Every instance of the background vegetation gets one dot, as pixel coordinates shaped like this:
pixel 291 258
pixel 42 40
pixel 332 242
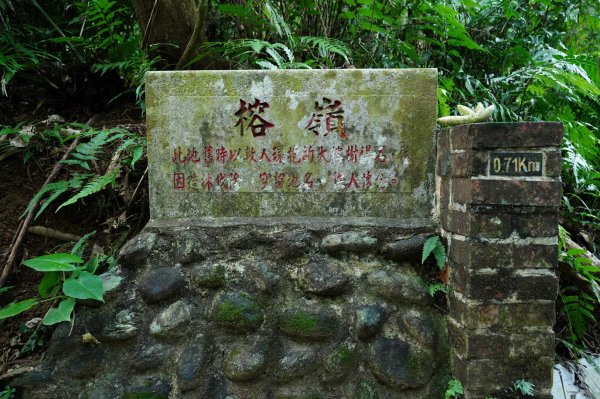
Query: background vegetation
pixel 534 60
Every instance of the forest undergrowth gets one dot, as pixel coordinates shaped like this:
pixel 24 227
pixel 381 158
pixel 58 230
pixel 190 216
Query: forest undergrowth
pixel 72 89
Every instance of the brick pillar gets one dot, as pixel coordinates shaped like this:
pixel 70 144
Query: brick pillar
pixel 499 190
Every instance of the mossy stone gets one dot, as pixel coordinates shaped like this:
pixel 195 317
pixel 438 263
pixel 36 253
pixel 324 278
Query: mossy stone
pixel 364 390
pixel 310 324
pixel 209 276
pixel 143 395
pixel 399 364
pixel 245 362
pixel 237 311
pixel 338 363
pixel 369 319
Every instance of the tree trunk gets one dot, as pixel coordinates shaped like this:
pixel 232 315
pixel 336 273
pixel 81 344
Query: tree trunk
pixel 167 26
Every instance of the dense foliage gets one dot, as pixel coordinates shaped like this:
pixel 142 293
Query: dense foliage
pixel 534 60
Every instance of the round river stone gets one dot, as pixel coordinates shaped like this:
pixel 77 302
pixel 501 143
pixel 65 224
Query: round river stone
pixel 237 311
pixel 160 283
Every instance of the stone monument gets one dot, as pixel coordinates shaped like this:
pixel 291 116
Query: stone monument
pixel 282 258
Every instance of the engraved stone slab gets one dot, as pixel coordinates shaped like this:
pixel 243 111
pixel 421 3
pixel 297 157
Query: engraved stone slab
pixel 355 143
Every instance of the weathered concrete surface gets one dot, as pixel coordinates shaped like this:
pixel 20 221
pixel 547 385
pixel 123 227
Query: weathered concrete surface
pixel 291 143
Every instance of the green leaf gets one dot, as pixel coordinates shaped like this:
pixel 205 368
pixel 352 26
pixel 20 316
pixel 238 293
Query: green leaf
pixel 53 263
pixel 429 246
pixel 435 288
pixel 49 285
pixel 266 64
pixel 60 313
pixel 454 390
pixel 15 308
pixel 96 184
pixel 4 289
pixel 439 252
pixel 85 286
pixel 79 246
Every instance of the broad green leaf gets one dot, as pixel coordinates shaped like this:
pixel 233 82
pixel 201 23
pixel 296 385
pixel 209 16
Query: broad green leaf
pixel 60 313
pixel 49 285
pixel 575 251
pixel 17 307
pixel 85 286
pixel 53 263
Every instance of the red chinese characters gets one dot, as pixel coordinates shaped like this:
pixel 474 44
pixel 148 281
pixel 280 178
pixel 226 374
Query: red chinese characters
pixel 251 113
pixel 332 114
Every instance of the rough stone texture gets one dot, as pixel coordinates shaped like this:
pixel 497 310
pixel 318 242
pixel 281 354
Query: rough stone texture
pixel 310 324
pixel 191 361
pixel 254 322
pixel 311 287
pixel 401 287
pixel 161 283
pixel 369 320
pixel 383 167
pixel 398 364
pixel 237 311
pixel 405 248
pixel 209 275
pixel 172 321
pixel 349 241
pixel 245 362
pixel 323 277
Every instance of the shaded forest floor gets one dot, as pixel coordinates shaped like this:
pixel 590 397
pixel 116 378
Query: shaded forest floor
pixel 22 338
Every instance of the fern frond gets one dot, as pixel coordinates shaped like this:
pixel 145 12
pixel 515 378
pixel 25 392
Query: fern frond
pixel 264 64
pixel 327 45
pixel 275 56
pixel 271 11
pixel 56 189
pixel 95 185
pixel 286 50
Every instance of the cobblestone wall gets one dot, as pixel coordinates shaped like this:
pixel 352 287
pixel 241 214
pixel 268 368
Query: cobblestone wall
pixel 260 311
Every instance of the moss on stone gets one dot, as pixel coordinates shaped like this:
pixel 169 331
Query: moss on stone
pixel 300 323
pixel 308 324
pixel 212 277
pixel 343 356
pixel 366 391
pixel 238 311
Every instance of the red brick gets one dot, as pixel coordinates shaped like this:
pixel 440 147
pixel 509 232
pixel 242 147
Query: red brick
pixel 553 164
pixel 461 190
pixel 476 254
pixel 488 375
pixel 485 344
pixel 460 137
pixel 535 256
pixel 536 225
pixel 520 315
pixel 501 284
pixel 514 192
pixel 516 135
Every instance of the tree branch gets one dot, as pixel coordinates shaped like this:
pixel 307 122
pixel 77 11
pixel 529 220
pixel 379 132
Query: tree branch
pixel 21 233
